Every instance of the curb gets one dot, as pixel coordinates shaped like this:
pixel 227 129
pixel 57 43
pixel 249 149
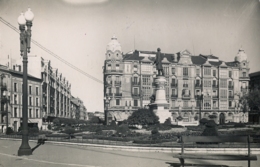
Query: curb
pixel 153 149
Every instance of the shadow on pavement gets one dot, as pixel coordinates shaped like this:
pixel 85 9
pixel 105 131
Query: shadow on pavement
pixel 200 165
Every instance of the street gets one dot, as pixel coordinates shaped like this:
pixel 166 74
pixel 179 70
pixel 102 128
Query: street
pixel 50 155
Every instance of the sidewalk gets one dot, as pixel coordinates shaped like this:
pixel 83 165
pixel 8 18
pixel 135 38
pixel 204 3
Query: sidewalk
pixel 52 155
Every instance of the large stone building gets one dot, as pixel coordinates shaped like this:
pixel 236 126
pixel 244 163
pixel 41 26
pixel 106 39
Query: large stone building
pixel 11 99
pixel 197 85
pixel 49 94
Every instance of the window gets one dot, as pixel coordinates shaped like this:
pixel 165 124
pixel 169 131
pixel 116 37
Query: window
pixel 186 92
pixel 109 90
pixel 117 102
pixel 15 112
pixel 230 94
pixel 15 87
pixel 197 82
pixel 214 83
pixel 30 101
pixel 223 73
pixel 37 113
pixel 207 71
pixel 37 102
pixel 135 91
pixel 135 103
pixel 223 93
pixel 215 104
pixel 214 73
pixel 15 99
pixel 230 84
pixel 173 92
pixel 244 74
pixel 230 103
pixel 214 93
pixel 198 71
pixel 37 91
pixel 117 90
pixel 223 83
pixel 207 104
pixel 185 71
pixel 223 104
pixel 146 92
pixel 166 70
pixel 173 71
pixel 230 74
pixel 30 113
pixel 146 80
pixel 207 83
pixel 185 83
pixel 117 66
pixel 108 66
pixel 135 79
pixel 30 89
pixel 173 80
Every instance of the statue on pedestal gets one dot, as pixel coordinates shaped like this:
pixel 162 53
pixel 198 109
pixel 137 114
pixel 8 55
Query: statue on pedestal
pixel 158 62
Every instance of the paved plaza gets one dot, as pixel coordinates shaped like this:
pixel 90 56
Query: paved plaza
pixel 50 155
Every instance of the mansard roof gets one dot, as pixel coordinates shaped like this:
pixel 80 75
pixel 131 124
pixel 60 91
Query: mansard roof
pixel 196 59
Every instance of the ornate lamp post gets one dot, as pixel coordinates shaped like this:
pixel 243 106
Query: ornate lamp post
pixel 200 98
pixel 107 101
pixel 25 45
pixel 7 98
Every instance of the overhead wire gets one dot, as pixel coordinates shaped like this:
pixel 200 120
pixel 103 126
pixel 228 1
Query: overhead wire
pixel 55 55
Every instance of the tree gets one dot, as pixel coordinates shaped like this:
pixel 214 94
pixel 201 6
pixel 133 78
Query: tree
pixel 253 99
pixel 95 120
pixel 143 117
pixel 69 130
pixel 56 121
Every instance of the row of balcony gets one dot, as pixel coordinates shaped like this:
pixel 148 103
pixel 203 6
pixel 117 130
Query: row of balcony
pixel 198 96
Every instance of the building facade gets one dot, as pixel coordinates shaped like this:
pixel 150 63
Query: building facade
pixel 198 86
pixel 49 94
pixel 11 99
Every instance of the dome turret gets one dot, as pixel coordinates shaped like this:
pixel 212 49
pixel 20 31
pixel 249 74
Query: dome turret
pixel 241 56
pixel 113 45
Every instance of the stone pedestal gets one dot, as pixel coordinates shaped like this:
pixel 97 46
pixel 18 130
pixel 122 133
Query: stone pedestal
pixel 161 107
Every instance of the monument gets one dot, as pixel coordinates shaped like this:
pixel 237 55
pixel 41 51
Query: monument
pixel 160 106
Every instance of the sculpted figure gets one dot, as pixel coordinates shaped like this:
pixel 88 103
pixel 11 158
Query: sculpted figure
pixel 158 62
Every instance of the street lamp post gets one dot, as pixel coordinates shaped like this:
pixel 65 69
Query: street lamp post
pixel 7 97
pixel 106 100
pixel 25 45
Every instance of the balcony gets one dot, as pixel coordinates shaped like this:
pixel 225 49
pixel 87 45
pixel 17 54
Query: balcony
pixel 118 94
pixel 198 85
pixel 215 97
pixel 186 96
pixel 114 71
pixel 174 85
pixel 230 86
pixel 215 86
pixel 231 96
pixel 117 83
pixel 135 95
pixel 135 83
pixel 174 96
pixel 3 86
pixel 109 94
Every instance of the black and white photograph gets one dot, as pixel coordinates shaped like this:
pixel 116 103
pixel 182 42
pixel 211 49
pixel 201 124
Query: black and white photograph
pixel 129 83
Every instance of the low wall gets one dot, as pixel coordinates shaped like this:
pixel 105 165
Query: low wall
pixel 154 149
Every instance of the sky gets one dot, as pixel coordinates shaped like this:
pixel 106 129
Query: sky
pixel 78 31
